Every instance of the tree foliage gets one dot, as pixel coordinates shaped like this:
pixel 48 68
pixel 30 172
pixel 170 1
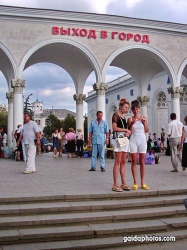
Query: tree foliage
pixel 69 122
pixel 28 107
pixel 52 123
pixel 3 117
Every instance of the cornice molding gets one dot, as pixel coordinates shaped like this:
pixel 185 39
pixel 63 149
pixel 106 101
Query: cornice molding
pixel 34 14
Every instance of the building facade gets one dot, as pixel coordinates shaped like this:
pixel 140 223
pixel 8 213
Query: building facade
pixel 41 114
pixel 82 43
pixel 158 100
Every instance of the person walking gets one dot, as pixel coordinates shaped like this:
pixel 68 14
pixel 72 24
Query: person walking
pixel 56 142
pixel 175 129
pixel 119 125
pixel 98 137
pixel 62 135
pixel 22 148
pixel 139 127
pixel 80 142
pixel 162 140
pixel 183 145
pixel 29 133
pixel 70 137
pixel 4 139
pixel 19 145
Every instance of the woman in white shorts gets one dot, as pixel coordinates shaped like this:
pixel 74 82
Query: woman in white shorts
pixel 138 145
pixel 119 125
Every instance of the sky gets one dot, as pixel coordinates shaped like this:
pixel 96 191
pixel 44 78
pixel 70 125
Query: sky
pixel 45 80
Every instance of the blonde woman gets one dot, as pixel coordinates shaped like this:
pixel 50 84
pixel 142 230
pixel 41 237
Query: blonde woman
pixel 62 135
pixel 119 125
pixel 138 144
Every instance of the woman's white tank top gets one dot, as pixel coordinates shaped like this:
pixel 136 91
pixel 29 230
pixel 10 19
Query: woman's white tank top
pixel 138 127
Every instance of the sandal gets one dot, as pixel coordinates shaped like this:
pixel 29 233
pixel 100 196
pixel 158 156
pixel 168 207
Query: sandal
pixel 144 186
pixel 134 187
pixel 125 187
pixel 117 189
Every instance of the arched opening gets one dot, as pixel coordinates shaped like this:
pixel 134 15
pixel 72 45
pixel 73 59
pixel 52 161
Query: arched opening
pixel 160 113
pixel 143 64
pixel 69 56
pixel 51 88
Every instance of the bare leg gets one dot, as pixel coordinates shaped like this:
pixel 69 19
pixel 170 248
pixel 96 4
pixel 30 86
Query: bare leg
pixel 133 167
pixel 122 167
pixel 142 167
pixel 116 167
pixel 18 156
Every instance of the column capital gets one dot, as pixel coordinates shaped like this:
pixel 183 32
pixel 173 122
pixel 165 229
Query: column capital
pixel 100 88
pixel 175 91
pixel 9 95
pixel 143 99
pixel 79 98
pixel 18 85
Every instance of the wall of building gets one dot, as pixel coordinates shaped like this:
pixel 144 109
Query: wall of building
pixel 159 106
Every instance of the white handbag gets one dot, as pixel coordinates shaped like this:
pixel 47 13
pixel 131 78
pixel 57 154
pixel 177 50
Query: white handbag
pixel 121 140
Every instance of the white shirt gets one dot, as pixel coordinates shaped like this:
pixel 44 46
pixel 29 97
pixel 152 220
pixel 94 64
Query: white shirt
pixel 29 132
pixel 175 129
pixel 185 129
pixel 4 138
pixel 79 136
pixel 20 129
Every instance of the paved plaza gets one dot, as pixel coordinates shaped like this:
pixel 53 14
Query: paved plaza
pixel 70 176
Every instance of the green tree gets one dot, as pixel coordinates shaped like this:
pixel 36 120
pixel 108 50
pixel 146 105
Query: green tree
pixel 28 107
pixel 69 122
pixel 3 117
pixel 52 123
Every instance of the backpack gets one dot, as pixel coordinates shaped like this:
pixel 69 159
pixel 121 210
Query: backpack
pixel 157 159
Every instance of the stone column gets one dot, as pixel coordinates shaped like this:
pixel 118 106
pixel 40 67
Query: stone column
pixel 17 85
pixel 143 102
pixel 79 110
pixel 10 130
pixel 175 103
pixel 100 89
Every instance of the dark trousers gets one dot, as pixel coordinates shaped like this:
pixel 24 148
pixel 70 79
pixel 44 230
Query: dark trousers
pixel 80 148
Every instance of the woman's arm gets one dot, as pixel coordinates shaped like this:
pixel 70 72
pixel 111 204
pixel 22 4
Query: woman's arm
pixel 117 129
pixel 130 123
pixel 144 121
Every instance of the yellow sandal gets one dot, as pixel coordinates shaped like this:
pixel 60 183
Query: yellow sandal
pixel 144 186
pixel 134 187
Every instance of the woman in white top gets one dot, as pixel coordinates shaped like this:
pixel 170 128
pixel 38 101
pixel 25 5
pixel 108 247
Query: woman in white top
pixel 4 139
pixel 56 142
pixel 138 126
pixel 183 145
pixel 80 143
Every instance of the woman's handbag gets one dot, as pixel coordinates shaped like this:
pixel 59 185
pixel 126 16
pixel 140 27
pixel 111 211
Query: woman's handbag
pixel 121 140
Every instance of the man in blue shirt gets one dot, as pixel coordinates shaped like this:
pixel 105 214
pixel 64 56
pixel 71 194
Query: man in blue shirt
pixel 98 135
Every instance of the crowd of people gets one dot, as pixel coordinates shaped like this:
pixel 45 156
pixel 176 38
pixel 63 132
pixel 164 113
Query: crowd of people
pixel 128 138
pixel 157 143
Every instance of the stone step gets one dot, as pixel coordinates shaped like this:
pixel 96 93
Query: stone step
pixel 91 217
pixel 81 231
pixel 99 243
pixel 88 206
pixel 35 197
